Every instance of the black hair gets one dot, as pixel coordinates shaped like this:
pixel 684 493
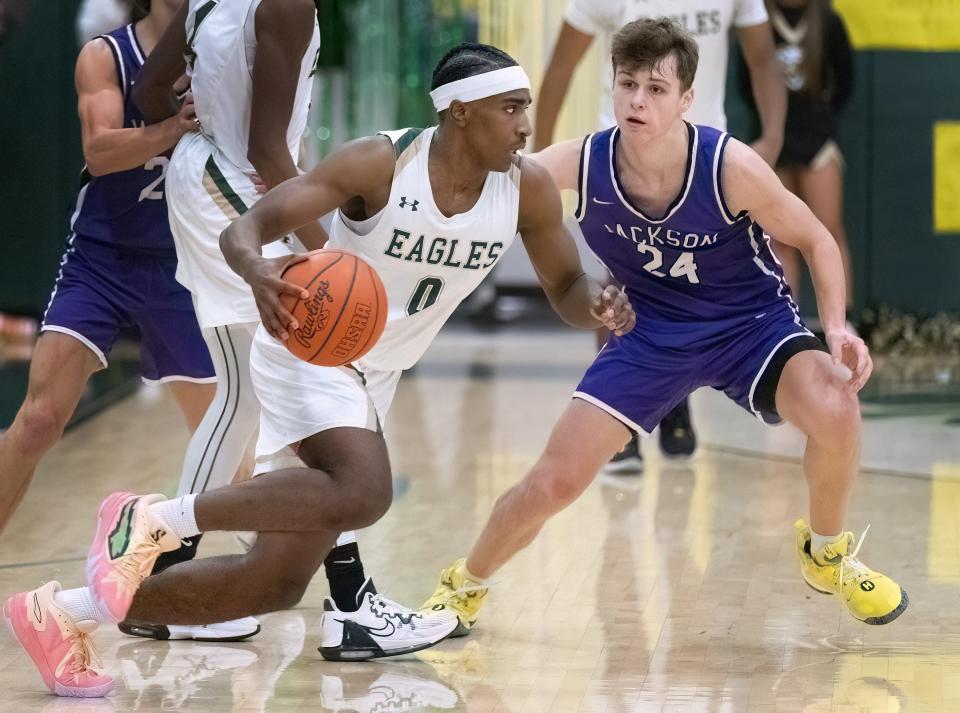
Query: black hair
pixel 468 59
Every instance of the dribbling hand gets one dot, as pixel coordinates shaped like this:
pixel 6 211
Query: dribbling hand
pixel 850 350
pixel 613 310
pixel 264 279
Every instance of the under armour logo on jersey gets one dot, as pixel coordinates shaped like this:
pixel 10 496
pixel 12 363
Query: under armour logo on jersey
pixel 404 203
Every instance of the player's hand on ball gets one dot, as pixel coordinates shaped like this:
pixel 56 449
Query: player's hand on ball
pixel 263 276
pixel 850 350
pixel 613 309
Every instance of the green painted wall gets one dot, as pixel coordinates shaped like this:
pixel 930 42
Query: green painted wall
pixel 39 152
pixel 886 134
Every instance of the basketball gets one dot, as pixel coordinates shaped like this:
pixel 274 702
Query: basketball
pixel 345 313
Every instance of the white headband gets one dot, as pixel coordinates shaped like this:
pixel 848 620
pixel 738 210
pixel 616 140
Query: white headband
pixel 480 86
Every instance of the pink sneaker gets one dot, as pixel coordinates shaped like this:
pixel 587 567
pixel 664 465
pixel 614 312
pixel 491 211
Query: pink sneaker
pixel 128 541
pixel 60 647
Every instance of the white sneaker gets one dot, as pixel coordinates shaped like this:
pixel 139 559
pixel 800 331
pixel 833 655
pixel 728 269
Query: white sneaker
pixel 236 630
pixel 379 628
pixel 392 691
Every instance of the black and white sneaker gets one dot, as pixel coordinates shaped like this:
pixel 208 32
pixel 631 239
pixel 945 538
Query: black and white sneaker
pixel 236 630
pixel 379 628
pixel 629 461
pixel 677 437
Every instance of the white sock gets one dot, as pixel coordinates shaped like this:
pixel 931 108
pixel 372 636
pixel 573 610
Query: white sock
pixel 346 538
pixel 472 577
pixel 80 605
pixel 818 541
pixel 178 515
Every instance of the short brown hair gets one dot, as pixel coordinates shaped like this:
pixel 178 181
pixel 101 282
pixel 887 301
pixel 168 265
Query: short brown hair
pixel 644 44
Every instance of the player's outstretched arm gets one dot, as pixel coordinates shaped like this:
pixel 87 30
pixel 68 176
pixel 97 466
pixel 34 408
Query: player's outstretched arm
pixel 750 184
pixel 571 45
pixel 108 147
pixel 359 169
pixel 575 296
pixel 153 93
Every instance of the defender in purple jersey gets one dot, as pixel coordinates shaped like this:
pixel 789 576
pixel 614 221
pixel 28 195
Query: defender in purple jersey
pixel 675 213
pixel 118 267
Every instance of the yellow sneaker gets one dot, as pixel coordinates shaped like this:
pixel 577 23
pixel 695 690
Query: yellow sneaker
pixel 870 596
pixel 460 594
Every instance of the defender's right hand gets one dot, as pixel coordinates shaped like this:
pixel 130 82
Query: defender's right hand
pixel 186 119
pixel 263 276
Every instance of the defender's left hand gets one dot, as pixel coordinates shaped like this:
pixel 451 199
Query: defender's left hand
pixel 613 310
pixel 851 351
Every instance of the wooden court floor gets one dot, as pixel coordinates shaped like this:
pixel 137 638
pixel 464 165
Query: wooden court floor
pixel 673 591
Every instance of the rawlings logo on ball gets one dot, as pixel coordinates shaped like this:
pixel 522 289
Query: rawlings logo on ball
pixel 317 314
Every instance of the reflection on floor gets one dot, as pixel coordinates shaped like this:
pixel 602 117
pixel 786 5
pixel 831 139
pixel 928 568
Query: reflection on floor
pixel 676 590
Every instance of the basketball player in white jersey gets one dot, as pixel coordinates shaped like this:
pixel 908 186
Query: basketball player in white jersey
pixel 250 63
pixel 432 211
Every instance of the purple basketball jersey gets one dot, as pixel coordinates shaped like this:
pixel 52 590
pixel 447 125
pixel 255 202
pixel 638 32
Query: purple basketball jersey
pixel 696 265
pixel 125 209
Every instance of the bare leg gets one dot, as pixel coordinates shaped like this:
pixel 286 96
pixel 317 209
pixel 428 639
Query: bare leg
pixel 270 577
pixel 193 399
pixel 566 468
pixel 59 372
pixel 812 395
pixel 822 190
pixel 789 256
pixel 299 512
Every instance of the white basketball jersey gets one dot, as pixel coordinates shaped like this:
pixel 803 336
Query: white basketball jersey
pixel 428 263
pixel 222 47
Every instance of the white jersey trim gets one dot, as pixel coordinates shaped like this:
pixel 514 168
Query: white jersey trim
pixel 610 410
pixel 581 211
pixel 79 337
pixel 763 368
pixel 118 57
pixel 135 44
pixel 678 204
pixel 717 188
pixel 180 378
pixel 70 246
pixel 781 283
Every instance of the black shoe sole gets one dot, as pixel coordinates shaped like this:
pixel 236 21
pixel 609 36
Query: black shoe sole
pixel 887 618
pixel 339 653
pixel 160 632
pixel 460 631
pixel 874 620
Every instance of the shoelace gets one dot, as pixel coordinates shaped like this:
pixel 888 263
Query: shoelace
pixel 857 568
pixel 81 656
pixel 381 606
pixel 136 566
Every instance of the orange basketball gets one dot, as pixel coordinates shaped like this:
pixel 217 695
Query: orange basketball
pixel 345 313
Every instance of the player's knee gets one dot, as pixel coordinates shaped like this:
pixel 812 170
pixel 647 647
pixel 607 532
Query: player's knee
pixel 557 483
pixel 838 422
pixel 366 503
pixel 39 428
pixel 363 496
